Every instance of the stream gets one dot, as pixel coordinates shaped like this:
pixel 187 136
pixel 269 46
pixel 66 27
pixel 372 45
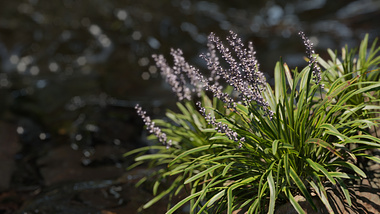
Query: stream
pixel 72 71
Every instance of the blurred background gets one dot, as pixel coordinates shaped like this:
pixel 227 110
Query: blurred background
pixel 71 72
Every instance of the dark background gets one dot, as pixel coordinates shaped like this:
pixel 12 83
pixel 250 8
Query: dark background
pixel 71 72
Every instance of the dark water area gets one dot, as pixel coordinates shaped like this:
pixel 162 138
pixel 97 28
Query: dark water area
pixel 71 72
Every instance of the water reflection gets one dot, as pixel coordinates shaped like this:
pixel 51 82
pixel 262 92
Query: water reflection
pixel 75 69
pixel 56 52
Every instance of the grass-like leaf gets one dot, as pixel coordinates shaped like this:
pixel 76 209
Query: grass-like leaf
pixel 154 156
pixel 356 169
pixel 302 187
pixel 272 195
pixel 345 191
pixel 194 150
pixel 183 201
pixel 216 197
pixel 201 174
pixel 293 201
pixel 297 137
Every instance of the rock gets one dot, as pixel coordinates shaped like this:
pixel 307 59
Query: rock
pixel 101 197
pixel 9 146
pixel 6 168
pixel 365 198
pixel 288 207
pixel 63 164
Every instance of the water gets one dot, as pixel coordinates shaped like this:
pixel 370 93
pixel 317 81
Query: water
pixel 71 71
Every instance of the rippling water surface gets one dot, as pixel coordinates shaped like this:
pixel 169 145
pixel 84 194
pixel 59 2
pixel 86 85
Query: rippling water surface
pixel 73 70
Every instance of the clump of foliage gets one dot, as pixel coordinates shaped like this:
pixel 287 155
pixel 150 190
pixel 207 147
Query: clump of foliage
pixel 251 146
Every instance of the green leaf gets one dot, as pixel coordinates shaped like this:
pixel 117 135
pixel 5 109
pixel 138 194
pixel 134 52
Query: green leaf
pixel 254 206
pixel 356 169
pixel 182 202
pixel 272 195
pixel 286 166
pixel 301 187
pixel 159 197
pixel 154 156
pixel 172 116
pixel 270 98
pixel 363 51
pixel 176 170
pixel 342 175
pixel 144 149
pixel 373 86
pixel 370 157
pixel 141 181
pixel 323 63
pixel 197 121
pixel 318 167
pixel 184 111
pixel 242 109
pixel 155 187
pixel 201 174
pixel 285 146
pixel 288 76
pixel 194 150
pixel 220 137
pixel 334 131
pixel 205 159
pixel 225 170
pixel 234 186
pixel 214 181
pixel 344 190
pixel 319 189
pixel 230 196
pixel 369 143
pixel 247 202
pixel 275 146
pixel 134 165
pixel 369 137
pixel 211 130
pixel 279 82
pixel 325 145
pixel 216 197
pixel 293 201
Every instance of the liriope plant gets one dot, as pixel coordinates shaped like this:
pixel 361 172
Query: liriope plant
pixel 253 146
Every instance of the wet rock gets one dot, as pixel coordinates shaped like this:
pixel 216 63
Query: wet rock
pixel 9 202
pixel 63 164
pixel 9 146
pixel 102 196
pixel 6 168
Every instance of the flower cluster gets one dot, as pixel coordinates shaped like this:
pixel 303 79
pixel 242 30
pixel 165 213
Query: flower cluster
pixel 243 73
pixel 152 128
pixel 179 75
pixel 312 58
pixel 211 55
pixel 173 77
pixel 218 93
pixel 220 127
